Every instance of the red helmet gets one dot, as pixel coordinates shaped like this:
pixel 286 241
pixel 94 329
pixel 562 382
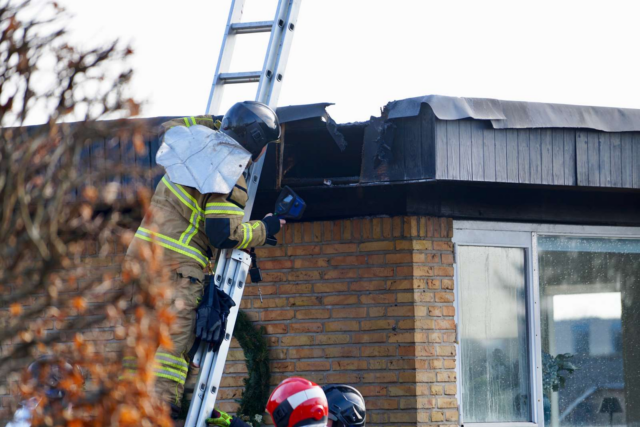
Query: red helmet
pixel 297 402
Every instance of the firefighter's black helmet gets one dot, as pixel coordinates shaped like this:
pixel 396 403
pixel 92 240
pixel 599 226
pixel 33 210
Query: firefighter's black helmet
pixel 346 406
pixel 252 124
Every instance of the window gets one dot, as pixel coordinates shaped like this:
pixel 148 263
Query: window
pixel 549 324
pixel 493 334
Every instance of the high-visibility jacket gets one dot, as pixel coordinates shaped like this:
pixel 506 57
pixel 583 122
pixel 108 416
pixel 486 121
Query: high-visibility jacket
pixel 190 226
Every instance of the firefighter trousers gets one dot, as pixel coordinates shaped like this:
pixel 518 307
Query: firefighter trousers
pixel 172 365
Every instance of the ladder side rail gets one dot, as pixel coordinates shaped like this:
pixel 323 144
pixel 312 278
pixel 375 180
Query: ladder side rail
pixel 279 47
pixel 224 59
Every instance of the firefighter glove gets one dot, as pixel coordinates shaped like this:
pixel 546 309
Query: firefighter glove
pixel 211 316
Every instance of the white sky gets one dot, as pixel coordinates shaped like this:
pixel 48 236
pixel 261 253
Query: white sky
pixel 603 305
pixel 361 54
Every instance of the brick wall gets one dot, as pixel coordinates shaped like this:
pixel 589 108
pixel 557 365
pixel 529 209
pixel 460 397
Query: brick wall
pixel 367 302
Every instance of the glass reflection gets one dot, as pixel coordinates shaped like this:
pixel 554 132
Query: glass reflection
pixel 590 299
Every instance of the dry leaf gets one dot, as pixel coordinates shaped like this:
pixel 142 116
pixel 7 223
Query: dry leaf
pixel 15 309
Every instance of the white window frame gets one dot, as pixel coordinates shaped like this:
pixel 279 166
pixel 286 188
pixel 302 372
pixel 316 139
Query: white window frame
pixel 521 235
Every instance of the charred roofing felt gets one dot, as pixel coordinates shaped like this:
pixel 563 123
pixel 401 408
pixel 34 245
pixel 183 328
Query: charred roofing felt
pixel 520 115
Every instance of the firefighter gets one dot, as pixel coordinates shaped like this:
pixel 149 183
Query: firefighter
pixel 346 406
pixel 192 226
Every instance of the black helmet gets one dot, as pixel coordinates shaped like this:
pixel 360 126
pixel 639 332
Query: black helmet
pixel 346 406
pixel 48 371
pixel 252 124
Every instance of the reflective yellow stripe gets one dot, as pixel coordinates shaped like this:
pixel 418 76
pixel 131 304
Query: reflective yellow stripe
pixel 244 229
pixel 169 377
pixel 250 236
pixel 186 121
pixel 171 244
pixel 178 360
pixel 181 194
pixel 223 204
pixel 216 211
pixel 193 120
pixel 164 364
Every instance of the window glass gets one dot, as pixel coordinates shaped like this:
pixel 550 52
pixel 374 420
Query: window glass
pixel 493 334
pixel 590 320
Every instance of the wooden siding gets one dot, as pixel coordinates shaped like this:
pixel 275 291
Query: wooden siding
pixel 471 150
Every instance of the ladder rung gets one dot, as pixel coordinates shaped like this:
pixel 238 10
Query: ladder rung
pixel 251 27
pixel 245 77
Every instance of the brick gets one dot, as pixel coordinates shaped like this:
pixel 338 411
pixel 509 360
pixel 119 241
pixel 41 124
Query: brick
pixel 282 367
pixel 437 390
pixel 445 402
pixel 304 250
pixel 339 248
pixel 402 390
pixel 296 340
pixel 341 300
pixel 445 324
pixel 435 363
pixel 446 377
pixel 443 246
pixel 444 296
pixel 346 229
pixel 306 353
pixel 304 301
pixel 342 326
pixel 369 338
pixel 305 327
pixel 340 274
pixel 295 289
pixel 339 313
pixel 407 284
pixel 417 403
pixel 372 325
pixel 386 404
pixel 269 303
pixel 397 226
pixel 447 284
pixel 235 368
pixel 332 339
pixel 274 277
pixel 433 284
pixel 407 311
pixel 378 299
pixel 255 290
pixel 450 389
pixel 277 264
pixel 414 245
pixel 377 364
pixel 408 337
pixel 418 351
pixel 228 407
pixel 278 354
pixel 317 231
pixel 447 258
pixel 337 230
pixel 349 260
pixel 375 259
pixel 376 311
pixel 416 270
pixel 408 297
pixel 376 228
pixel 443 271
pixel 377 272
pixel 232 381
pixel 449 364
pixel 386 227
pixel 366 229
pixel 270 315
pixel 379 351
pixel 403 417
pixel 266 252
pixel 451 416
pixel 230 393
pixel 309 263
pixel 343 378
pixel 276 328
pixel 435 337
pixel 307 232
pixel 304 275
pixel 405 258
pixel 446 350
pixel 313 366
pixel 378 418
pixel 373 390
pixel 342 352
pixel 380 377
pixel 349 365
pixel 437 416
pixel 376 246
pixel 435 311
pixel 330 287
pixel 327 226
pixel 358 232
pixel 297 233
pixel 448 311
pixel 312 314
pixel 377 285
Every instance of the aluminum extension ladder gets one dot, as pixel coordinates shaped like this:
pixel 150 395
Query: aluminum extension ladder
pixel 233 265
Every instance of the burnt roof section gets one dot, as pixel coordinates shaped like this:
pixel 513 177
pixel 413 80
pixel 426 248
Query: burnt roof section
pixel 520 115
